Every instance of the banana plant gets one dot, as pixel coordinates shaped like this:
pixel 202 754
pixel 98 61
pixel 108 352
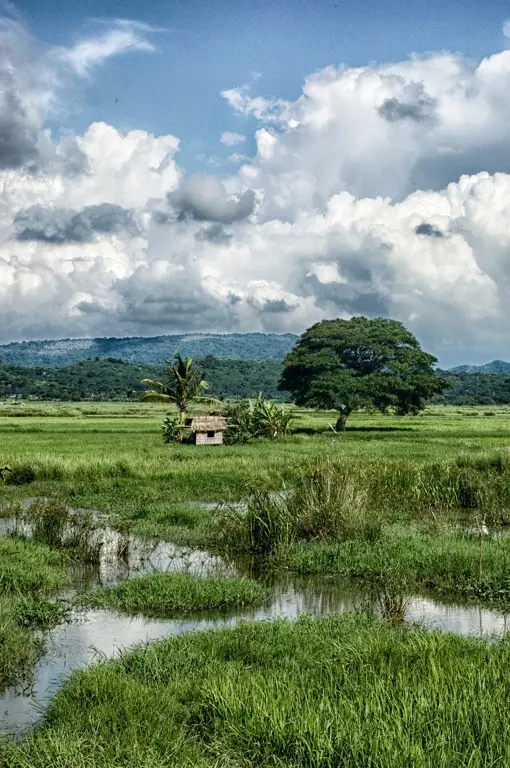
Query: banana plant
pixel 270 419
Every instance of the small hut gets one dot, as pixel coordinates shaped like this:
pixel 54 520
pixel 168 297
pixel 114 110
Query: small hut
pixel 207 430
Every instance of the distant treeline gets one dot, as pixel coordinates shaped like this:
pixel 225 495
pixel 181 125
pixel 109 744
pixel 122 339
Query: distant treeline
pixel 476 389
pixel 112 379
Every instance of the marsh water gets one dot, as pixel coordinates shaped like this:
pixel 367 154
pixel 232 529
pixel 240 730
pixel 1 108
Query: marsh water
pixel 89 635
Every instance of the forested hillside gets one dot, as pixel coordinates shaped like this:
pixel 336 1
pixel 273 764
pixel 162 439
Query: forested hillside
pixel 476 389
pixel 497 366
pixel 115 380
pixel 148 351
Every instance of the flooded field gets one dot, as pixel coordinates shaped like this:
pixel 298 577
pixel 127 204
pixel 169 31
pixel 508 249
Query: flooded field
pixel 89 634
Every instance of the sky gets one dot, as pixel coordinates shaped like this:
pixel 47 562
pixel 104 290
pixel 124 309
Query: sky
pixel 220 166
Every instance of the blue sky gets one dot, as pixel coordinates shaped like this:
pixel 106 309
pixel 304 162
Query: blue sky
pixel 370 174
pixel 211 45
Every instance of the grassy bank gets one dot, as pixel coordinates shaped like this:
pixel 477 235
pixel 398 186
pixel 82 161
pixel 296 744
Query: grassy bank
pixel 171 594
pixel 26 567
pixel 29 573
pixel 315 693
pixel 406 558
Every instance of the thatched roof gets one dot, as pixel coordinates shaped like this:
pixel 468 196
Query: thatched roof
pixel 207 423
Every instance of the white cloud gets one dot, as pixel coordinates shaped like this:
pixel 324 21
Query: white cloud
pixel 506 28
pixel 126 36
pixel 382 190
pixel 237 157
pixel 270 110
pixel 230 138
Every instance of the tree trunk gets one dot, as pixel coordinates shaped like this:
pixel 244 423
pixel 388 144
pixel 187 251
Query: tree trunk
pixel 182 411
pixel 342 420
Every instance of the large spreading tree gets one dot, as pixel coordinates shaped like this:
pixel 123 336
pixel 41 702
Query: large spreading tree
pixel 344 365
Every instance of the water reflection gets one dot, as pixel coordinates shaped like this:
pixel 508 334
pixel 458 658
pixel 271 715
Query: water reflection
pixel 94 633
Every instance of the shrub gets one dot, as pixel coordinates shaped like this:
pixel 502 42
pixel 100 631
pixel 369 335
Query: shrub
pixel 22 474
pixel 270 419
pixel 262 418
pixel 240 419
pixel 174 428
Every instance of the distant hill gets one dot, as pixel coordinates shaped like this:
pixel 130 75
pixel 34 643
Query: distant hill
pixel 497 366
pixel 148 351
pixel 475 389
pixel 112 379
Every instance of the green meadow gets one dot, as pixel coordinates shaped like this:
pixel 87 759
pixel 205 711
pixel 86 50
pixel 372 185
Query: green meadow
pixel 398 505
pixel 316 693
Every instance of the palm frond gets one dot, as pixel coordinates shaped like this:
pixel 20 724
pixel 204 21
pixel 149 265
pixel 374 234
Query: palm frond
pixel 209 400
pixel 155 397
pixel 184 384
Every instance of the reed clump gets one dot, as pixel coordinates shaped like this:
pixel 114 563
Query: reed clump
pixel 320 506
pixel 52 523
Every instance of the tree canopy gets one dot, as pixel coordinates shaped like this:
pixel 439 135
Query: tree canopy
pixel 343 365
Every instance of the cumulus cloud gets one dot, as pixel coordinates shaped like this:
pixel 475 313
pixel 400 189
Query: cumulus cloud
pixel 31 78
pixel 384 130
pixel 60 225
pixel 204 198
pixel 230 138
pixel 382 190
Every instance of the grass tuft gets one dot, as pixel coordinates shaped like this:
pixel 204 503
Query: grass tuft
pixel 169 594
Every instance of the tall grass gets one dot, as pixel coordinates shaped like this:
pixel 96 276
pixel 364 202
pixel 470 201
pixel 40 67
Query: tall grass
pixel 321 505
pixel 50 522
pixel 28 574
pixel 169 594
pixel 354 499
pixel 315 693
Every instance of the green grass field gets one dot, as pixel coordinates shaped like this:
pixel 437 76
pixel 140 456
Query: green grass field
pixel 110 455
pixel 386 503
pixel 345 691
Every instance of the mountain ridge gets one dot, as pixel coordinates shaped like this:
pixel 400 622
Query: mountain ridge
pixel 150 350
pixel 496 366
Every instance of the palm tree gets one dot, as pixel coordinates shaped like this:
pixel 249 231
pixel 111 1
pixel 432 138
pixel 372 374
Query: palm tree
pixel 184 383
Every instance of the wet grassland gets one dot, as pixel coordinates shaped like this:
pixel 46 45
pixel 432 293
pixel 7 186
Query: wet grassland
pixel 398 505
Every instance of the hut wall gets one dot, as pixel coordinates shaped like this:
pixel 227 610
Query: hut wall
pixel 201 438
